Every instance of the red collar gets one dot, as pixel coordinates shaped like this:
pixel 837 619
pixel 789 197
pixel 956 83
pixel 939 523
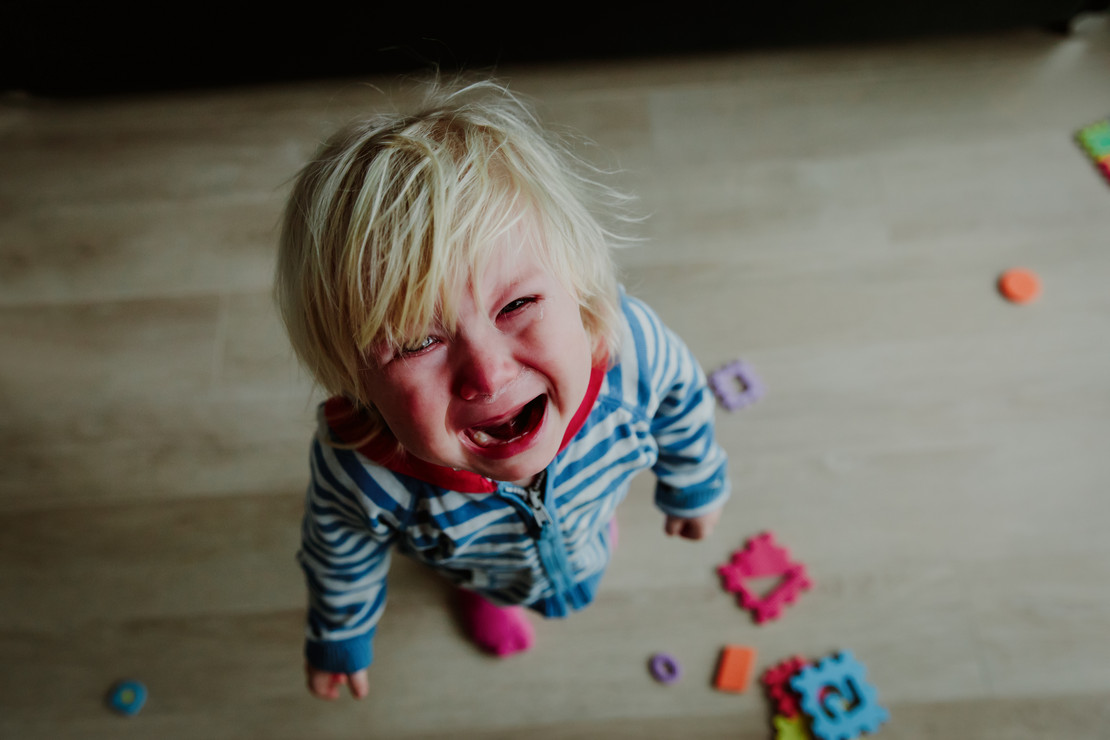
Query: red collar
pixel 348 425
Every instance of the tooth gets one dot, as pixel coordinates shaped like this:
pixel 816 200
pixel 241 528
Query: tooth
pixel 481 438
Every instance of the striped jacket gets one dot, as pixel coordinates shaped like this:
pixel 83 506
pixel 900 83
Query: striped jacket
pixel 544 548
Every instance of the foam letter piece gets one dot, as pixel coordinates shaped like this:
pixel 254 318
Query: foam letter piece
pixel 665 668
pixel 734 670
pixel 761 558
pixel 790 728
pixel 736 385
pixel 127 698
pixel 777 682
pixel 1095 139
pixel 837 698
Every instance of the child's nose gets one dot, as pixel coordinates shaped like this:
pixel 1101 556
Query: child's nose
pixel 484 370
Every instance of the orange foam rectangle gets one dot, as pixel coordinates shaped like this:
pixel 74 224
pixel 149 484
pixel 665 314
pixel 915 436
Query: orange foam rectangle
pixel 734 671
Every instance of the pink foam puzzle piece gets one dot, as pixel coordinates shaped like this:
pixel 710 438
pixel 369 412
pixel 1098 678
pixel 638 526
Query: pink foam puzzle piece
pixel 732 577
pixel 766 608
pixel 776 680
pixel 762 557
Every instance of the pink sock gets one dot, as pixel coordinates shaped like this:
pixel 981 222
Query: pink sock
pixel 499 630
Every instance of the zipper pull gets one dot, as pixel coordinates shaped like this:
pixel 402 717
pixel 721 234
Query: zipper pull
pixel 539 511
pixel 533 496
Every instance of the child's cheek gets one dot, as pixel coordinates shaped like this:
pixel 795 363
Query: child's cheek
pixel 425 401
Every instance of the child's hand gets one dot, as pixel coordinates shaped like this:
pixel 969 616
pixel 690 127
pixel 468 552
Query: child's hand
pixel 325 685
pixel 697 528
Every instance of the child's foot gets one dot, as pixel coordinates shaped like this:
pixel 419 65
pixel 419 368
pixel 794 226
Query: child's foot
pixel 499 630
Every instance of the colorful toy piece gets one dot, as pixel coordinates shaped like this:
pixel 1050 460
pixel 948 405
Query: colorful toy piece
pixel 127 698
pixel 664 668
pixel 734 670
pixel 837 698
pixel 1019 285
pixel 762 558
pixel 776 680
pixel 1095 139
pixel 736 385
pixel 790 728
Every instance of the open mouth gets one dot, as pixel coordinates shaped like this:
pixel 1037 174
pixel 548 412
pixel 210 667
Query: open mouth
pixel 523 423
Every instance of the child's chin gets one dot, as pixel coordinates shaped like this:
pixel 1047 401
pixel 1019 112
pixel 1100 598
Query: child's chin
pixel 522 467
pixel 518 472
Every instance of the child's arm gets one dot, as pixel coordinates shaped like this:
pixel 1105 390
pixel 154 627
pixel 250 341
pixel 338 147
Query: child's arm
pixel 346 538
pixel 692 481
pixel 325 685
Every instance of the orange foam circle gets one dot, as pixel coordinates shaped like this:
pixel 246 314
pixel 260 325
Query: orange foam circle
pixel 1019 285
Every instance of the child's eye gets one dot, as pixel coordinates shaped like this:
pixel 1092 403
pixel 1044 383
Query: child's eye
pixel 514 306
pixel 417 347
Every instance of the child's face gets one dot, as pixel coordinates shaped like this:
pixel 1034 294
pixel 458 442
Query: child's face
pixel 496 396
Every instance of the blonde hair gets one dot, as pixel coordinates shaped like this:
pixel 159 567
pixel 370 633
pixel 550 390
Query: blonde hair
pixel 395 213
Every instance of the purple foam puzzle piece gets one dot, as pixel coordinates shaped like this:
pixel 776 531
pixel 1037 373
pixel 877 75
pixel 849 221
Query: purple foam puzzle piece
pixel 665 668
pixel 736 385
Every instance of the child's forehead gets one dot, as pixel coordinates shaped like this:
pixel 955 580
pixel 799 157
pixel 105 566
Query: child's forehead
pixel 517 249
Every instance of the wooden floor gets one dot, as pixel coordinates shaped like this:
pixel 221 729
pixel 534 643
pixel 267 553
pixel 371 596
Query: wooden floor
pixel 939 458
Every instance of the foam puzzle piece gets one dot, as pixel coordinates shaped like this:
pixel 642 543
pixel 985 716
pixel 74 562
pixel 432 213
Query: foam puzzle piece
pixel 790 728
pixel 762 557
pixel 127 697
pixel 837 699
pixel 665 668
pixel 736 385
pixel 1096 139
pixel 734 670
pixel 1019 285
pixel 776 680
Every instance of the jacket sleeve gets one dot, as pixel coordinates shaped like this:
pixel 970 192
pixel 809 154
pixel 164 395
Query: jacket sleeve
pixel 692 467
pixel 349 525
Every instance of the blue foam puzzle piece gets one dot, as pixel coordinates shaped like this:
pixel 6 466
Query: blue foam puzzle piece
pixel 128 697
pixel 856 709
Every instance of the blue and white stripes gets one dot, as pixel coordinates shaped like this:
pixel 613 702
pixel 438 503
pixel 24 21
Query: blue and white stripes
pixel 547 550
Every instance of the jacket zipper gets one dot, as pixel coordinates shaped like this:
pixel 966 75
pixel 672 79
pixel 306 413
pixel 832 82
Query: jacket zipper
pixel 540 515
pixel 545 532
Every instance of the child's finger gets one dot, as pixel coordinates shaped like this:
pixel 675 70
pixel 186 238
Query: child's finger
pixel 325 685
pixel 359 684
